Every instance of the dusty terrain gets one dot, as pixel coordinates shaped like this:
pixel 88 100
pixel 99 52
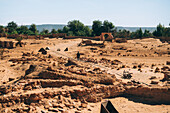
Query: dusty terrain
pixel 58 82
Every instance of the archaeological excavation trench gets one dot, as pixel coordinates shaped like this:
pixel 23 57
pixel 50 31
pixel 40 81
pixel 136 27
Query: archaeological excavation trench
pixel 59 83
pixel 51 83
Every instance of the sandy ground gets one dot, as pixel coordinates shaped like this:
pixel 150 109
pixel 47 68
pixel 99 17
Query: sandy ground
pixel 123 105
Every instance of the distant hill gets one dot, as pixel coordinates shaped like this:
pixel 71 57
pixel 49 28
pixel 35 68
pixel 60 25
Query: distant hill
pixel 60 26
pixel 49 26
pixel 132 29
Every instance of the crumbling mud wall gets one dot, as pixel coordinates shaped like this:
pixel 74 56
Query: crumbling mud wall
pixel 6 44
pixel 93 94
pixel 160 95
pixel 82 37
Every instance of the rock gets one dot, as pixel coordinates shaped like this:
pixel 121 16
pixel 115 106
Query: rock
pixel 50 56
pixel 10 79
pixel 84 105
pixel 69 105
pixel 43 51
pixel 96 69
pixel 165 68
pixel 60 109
pixel 35 97
pixel 28 88
pixel 167 62
pixel 157 70
pixel 53 110
pixel 26 54
pixel 58 49
pixel 134 67
pixel 152 77
pixel 89 109
pixel 166 76
pixel 66 49
pixel 154 82
pixel 47 48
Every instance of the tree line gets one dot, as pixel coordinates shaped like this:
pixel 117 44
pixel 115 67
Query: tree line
pixel 77 28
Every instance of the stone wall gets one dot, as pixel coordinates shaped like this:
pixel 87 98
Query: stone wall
pixel 6 44
pixel 152 95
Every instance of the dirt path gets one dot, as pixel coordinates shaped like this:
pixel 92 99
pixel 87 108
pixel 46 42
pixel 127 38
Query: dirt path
pixel 62 47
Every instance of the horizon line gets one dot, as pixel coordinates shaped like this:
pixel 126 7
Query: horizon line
pixel 84 24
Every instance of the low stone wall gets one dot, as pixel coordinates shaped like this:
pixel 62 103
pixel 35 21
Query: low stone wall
pixel 83 37
pixel 149 95
pixel 94 94
pixel 6 44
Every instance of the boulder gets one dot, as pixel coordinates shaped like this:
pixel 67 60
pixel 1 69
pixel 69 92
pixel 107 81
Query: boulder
pixel 167 62
pixel 157 70
pixel 35 97
pixel 167 76
pixel 154 82
pixel 84 105
pixel 43 51
pixel 66 49
pixel 47 48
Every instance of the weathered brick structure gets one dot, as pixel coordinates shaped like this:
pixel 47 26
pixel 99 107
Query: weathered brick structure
pixel 106 37
pixel 102 37
pixel 6 44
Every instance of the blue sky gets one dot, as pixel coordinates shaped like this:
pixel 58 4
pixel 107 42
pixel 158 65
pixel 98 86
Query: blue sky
pixel 120 12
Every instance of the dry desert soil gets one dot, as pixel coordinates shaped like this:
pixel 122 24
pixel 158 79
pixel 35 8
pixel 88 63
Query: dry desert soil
pixel 32 82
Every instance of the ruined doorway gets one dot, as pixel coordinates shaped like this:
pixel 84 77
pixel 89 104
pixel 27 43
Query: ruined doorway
pixel 106 36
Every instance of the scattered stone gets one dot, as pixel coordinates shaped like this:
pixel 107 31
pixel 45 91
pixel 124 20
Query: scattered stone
pixel 43 51
pixel 154 82
pixel 58 49
pixel 11 79
pixel 47 48
pixel 152 77
pixel 53 110
pixel 167 62
pixel 66 49
pixel 134 67
pixel 166 76
pixel 157 70
pixel 84 105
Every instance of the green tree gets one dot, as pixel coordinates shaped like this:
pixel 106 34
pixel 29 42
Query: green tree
pixel 87 31
pixel 60 31
pixel 44 32
pixel 107 26
pixel 12 26
pixel 22 29
pixel 14 32
pixel 70 33
pixel 53 31
pixel 76 27
pixel 65 29
pixel 2 30
pixel 33 28
pixel 96 27
pixel 29 32
pixel 166 32
pixel 159 31
pixel 147 33
pixel 139 33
